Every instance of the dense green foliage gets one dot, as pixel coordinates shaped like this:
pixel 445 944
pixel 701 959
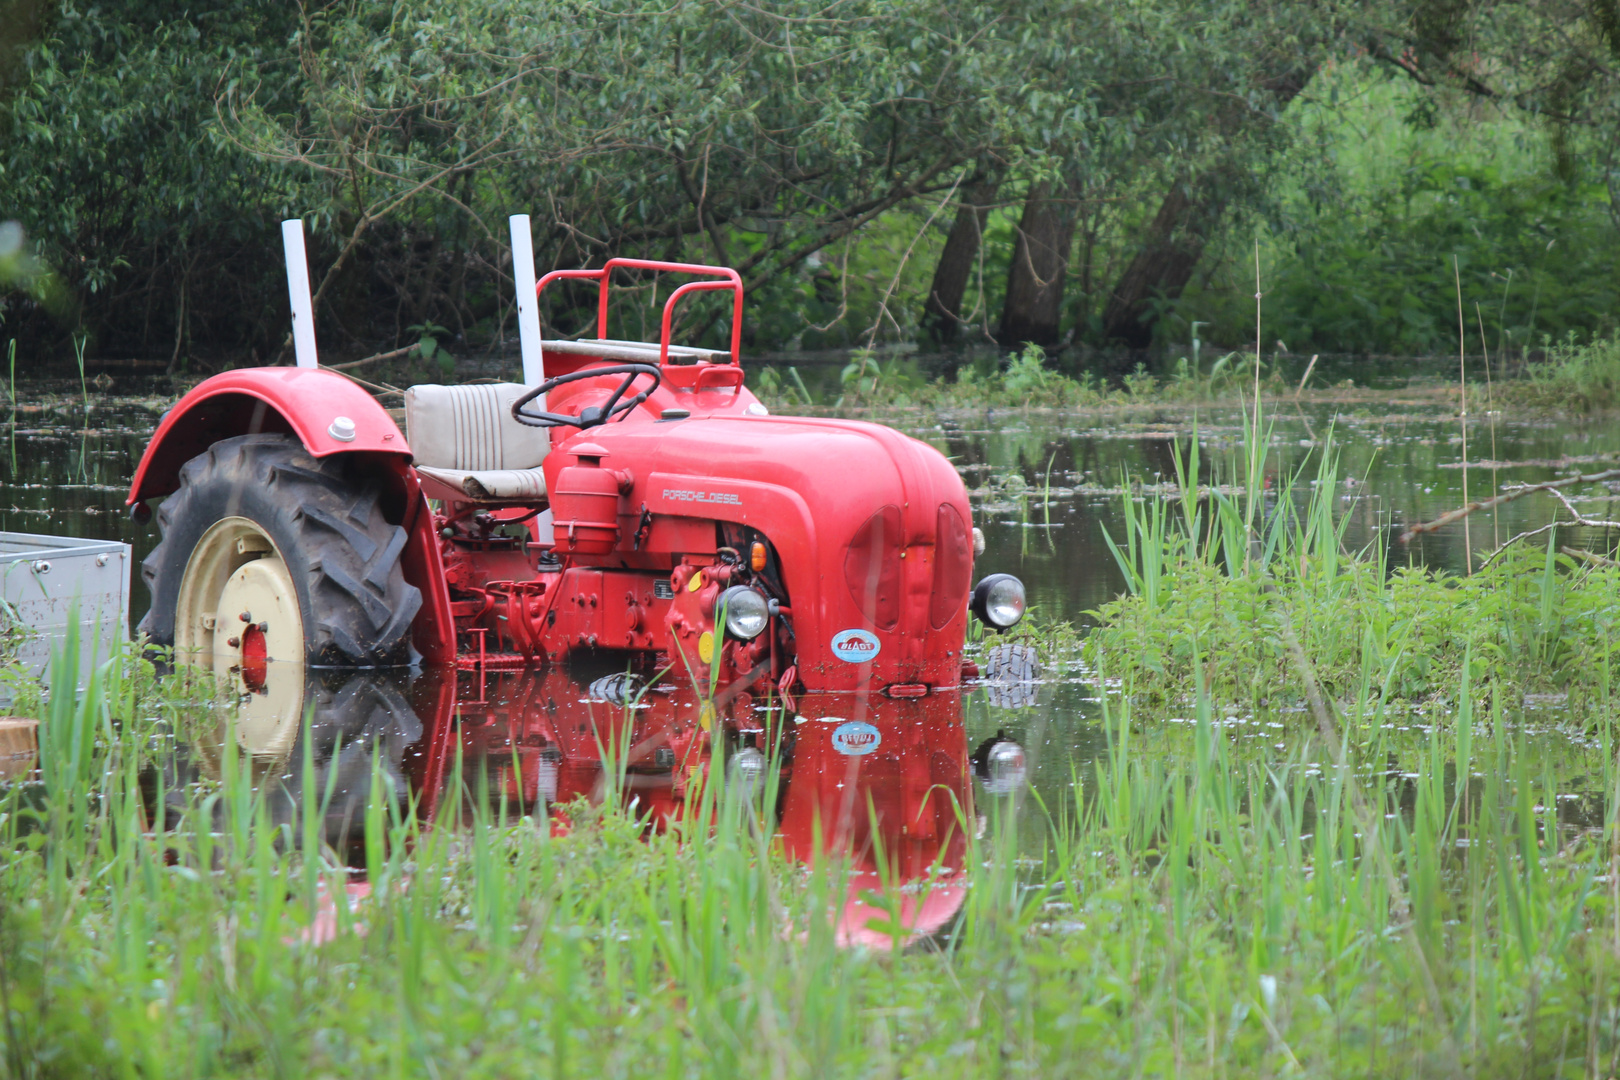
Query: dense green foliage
pixel 1359 259
pixel 149 149
pixel 107 160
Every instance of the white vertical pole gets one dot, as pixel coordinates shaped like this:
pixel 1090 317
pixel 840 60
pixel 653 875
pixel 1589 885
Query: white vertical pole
pixel 534 372
pixel 303 311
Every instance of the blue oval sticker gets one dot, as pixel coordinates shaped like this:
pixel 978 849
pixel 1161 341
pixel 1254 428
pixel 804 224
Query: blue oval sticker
pixel 856 646
pixel 856 738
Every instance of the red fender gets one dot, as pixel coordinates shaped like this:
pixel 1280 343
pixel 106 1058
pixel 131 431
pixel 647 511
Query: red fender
pixel 303 402
pixel 297 401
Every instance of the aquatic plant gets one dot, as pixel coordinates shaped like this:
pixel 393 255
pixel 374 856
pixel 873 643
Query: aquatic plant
pixel 79 342
pixel 1257 573
pixel 1054 638
pixel 1574 376
pixel 1028 381
pixel 866 380
pixel 770 386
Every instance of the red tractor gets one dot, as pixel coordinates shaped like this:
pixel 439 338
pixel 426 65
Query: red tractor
pixel 626 498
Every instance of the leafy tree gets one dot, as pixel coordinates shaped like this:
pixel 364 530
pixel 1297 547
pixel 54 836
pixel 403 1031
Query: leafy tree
pixel 1079 161
pixel 106 160
pixel 744 136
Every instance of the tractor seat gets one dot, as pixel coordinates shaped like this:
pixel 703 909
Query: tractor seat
pixel 465 438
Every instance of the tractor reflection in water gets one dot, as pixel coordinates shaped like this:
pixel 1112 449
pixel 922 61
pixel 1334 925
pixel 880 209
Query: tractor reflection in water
pixel 879 789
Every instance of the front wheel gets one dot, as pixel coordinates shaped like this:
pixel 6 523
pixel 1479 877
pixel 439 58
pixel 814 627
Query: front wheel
pixel 271 554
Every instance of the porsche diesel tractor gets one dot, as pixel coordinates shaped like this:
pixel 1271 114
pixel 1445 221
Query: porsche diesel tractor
pixel 626 499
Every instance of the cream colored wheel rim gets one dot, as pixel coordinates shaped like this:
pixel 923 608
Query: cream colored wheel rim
pixel 237 614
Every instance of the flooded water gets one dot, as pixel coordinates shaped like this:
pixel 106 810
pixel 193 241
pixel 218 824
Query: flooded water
pixel 1397 467
pixel 65 469
pixel 1045 488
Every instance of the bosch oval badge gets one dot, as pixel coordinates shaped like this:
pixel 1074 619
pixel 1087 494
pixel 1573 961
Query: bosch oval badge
pixel 856 646
pixel 856 738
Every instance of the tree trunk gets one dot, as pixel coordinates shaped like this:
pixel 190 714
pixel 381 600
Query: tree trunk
pixel 942 314
pixel 1162 267
pixel 1034 304
pixel 1175 241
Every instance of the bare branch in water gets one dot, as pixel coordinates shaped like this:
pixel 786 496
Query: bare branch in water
pixel 1461 512
pixel 1510 541
pixel 1580 519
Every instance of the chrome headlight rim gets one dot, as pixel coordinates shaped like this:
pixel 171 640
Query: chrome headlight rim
pixel 747 766
pixel 746 612
pixel 994 595
pixel 1005 768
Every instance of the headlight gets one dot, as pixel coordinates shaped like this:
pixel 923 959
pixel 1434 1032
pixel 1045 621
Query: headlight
pixel 998 601
pixel 1005 768
pixel 746 612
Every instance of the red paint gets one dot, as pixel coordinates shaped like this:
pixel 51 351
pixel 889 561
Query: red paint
pixel 585 507
pixel 953 566
pixel 704 286
pixel 255 657
pixel 906 690
pixel 893 821
pixel 604 278
pixel 434 631
pixel 299 401
pixel 872 567
pixel 896 817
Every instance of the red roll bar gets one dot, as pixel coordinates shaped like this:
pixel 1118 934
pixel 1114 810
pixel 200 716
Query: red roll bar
pixel 604 275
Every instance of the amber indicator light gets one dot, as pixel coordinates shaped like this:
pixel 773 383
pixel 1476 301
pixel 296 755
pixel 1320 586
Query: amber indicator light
pixel 756 556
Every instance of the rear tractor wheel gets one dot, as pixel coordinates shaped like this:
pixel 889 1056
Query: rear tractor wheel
pixel 270 554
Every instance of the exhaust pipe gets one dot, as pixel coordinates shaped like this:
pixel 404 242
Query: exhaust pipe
pixel 534 370
pixel 303 311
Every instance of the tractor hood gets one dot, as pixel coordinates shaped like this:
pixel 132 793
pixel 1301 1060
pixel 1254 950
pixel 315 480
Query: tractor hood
pixel 872 529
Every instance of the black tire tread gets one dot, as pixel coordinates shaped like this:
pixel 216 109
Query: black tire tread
pixel 328 522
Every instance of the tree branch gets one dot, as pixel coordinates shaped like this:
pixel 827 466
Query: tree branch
pixel 1453 516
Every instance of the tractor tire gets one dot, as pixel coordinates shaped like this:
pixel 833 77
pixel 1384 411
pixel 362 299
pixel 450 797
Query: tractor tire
pixel 1010 675
pixel 354 722
pixel 305 539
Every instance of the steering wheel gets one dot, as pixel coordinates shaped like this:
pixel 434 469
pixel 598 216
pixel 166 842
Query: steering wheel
pixel 591 415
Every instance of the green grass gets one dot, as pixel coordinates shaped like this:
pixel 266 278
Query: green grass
pixel 1573 378
pixel 1216 916
pixel 1219 914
